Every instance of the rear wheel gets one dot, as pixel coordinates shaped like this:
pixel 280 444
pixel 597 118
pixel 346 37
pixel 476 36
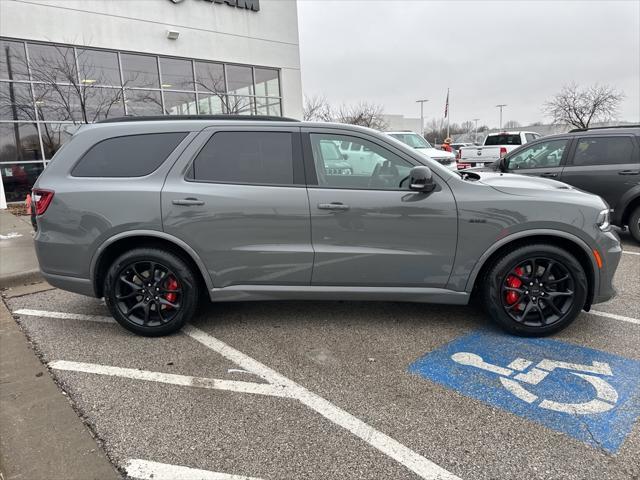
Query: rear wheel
pixel 151 292
pixel 634 224
pixel 535 290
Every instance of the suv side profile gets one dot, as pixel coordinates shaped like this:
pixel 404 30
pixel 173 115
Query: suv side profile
pixel 152 213
pixel 602 160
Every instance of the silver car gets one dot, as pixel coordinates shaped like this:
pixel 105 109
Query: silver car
pixel 153 213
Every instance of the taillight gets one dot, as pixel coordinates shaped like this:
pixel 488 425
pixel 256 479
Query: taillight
pixel 503 151
pixel 41 199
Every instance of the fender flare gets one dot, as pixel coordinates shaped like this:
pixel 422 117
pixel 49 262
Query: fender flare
pixel 149 233
pixel 529 233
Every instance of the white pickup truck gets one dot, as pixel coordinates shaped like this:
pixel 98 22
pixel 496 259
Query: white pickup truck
pixel 496 146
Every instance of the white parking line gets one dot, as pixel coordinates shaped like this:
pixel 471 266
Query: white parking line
pixel 614 316
pixel 147 470
pixel 64 316
pixel 385 444
pixel 172 379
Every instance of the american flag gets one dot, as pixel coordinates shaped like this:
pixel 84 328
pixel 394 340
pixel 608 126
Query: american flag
pixel 446 105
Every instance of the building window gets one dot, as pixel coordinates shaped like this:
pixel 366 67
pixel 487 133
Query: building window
pixel 45 99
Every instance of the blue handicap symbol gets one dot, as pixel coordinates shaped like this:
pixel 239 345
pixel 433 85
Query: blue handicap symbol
pixel 593 396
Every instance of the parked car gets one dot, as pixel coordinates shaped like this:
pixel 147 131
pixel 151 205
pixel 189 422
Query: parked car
pixel 151 213
pixel 495 146
pixel 418 142
pixel 604 161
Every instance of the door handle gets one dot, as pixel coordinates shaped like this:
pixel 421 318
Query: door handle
pixel 188 202
pixel 629 172
pixel 549 175
pixel 333 206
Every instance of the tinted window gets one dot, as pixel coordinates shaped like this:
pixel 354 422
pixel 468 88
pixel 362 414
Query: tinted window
pixel 263 158
pixel 541 155
pixel 603 151
pixel 130 156
pixel 505 139
pixel 364 166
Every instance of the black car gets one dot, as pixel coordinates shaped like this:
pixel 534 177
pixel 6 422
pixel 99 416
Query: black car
pixel 602 160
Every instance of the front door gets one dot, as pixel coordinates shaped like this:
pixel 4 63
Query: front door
pixel 368 228
pixel 543 158
pixel 607 166
pixel 237 197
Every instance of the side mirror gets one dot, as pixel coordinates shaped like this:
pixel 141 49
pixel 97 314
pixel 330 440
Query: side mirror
pixel 421 179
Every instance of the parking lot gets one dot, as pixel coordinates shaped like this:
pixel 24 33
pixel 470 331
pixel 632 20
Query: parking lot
pixel 349 390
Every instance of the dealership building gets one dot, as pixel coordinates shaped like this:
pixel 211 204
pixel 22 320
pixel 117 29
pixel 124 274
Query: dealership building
pixel 68 62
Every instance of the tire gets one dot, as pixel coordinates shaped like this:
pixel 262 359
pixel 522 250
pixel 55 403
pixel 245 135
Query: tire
pixel 533 310
pixel 634 224
pixel 152 311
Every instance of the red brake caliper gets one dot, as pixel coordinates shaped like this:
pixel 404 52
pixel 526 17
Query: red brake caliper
pixel 171 284
pixel 514 282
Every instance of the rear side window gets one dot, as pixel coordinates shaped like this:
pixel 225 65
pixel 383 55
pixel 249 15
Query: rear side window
pixel 603 151
pixel 128 156
pixel 261 158
pixel 503 140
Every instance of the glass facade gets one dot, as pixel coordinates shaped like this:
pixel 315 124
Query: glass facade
pixel 48 90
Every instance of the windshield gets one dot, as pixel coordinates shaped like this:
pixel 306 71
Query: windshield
pixel 503 139
pixel 412 139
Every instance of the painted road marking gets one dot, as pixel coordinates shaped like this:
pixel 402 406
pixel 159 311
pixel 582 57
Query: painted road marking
pixel 593 396
pixel 172 379
pixel 405 456
pixel 147 470
pixel 614 316
pixel 64 316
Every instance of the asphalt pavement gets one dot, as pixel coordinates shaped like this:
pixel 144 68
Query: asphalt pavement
pixel 317 390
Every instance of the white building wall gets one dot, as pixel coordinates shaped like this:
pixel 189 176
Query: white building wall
pixel 208 31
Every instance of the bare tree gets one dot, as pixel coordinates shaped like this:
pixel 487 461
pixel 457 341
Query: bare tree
pixel 578 107
pixel 317 109
pixel 511 124
pixel 363 113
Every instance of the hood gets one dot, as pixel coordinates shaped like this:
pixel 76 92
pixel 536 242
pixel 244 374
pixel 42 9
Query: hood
pixel 435 153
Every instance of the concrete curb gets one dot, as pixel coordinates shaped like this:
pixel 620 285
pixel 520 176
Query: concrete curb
pixel 42 437
pixel 20 278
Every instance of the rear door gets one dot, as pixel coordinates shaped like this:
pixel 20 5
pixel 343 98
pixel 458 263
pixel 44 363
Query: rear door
pixel 237 197
pixel 541 158
pixel 605 165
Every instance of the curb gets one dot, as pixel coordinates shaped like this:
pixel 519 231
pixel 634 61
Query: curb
pixel 20 278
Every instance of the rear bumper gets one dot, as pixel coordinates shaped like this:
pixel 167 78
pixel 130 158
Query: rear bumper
pixel 83 286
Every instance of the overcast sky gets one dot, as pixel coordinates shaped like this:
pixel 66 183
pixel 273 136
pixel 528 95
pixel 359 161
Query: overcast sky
pixel 393 52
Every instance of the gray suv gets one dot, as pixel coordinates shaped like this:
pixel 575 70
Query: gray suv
pixel 153 213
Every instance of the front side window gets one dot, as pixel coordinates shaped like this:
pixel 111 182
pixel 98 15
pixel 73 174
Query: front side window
pixel 541 155
pixel 364 165
pixel 128 156
pixel 603 151
pixel 259 158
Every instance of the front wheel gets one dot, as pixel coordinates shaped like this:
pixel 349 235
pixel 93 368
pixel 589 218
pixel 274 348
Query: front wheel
pixel 151 292
pixel 634 224
pixel 535 290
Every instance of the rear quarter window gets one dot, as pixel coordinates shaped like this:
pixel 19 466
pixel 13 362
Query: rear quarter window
pixel 128 156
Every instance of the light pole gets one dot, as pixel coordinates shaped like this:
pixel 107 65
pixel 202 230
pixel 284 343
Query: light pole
pixel 422 102
pixel 475 136
pixel 501 106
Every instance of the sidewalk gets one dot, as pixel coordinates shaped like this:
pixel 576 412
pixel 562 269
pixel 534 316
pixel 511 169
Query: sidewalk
pixel 18 263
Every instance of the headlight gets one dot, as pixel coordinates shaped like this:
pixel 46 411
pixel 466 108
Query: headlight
pixel 604 221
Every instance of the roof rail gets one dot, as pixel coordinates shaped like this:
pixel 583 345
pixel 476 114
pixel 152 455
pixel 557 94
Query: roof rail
pixel 603 128
pixel 154 118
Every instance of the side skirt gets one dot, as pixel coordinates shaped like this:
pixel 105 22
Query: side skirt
pixel 243 293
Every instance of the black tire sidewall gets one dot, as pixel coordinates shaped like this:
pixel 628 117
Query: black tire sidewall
pixel 499 270
pixel 186 277
pixel 634 228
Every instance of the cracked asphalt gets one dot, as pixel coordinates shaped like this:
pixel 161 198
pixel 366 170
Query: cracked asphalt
pixel 356 356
